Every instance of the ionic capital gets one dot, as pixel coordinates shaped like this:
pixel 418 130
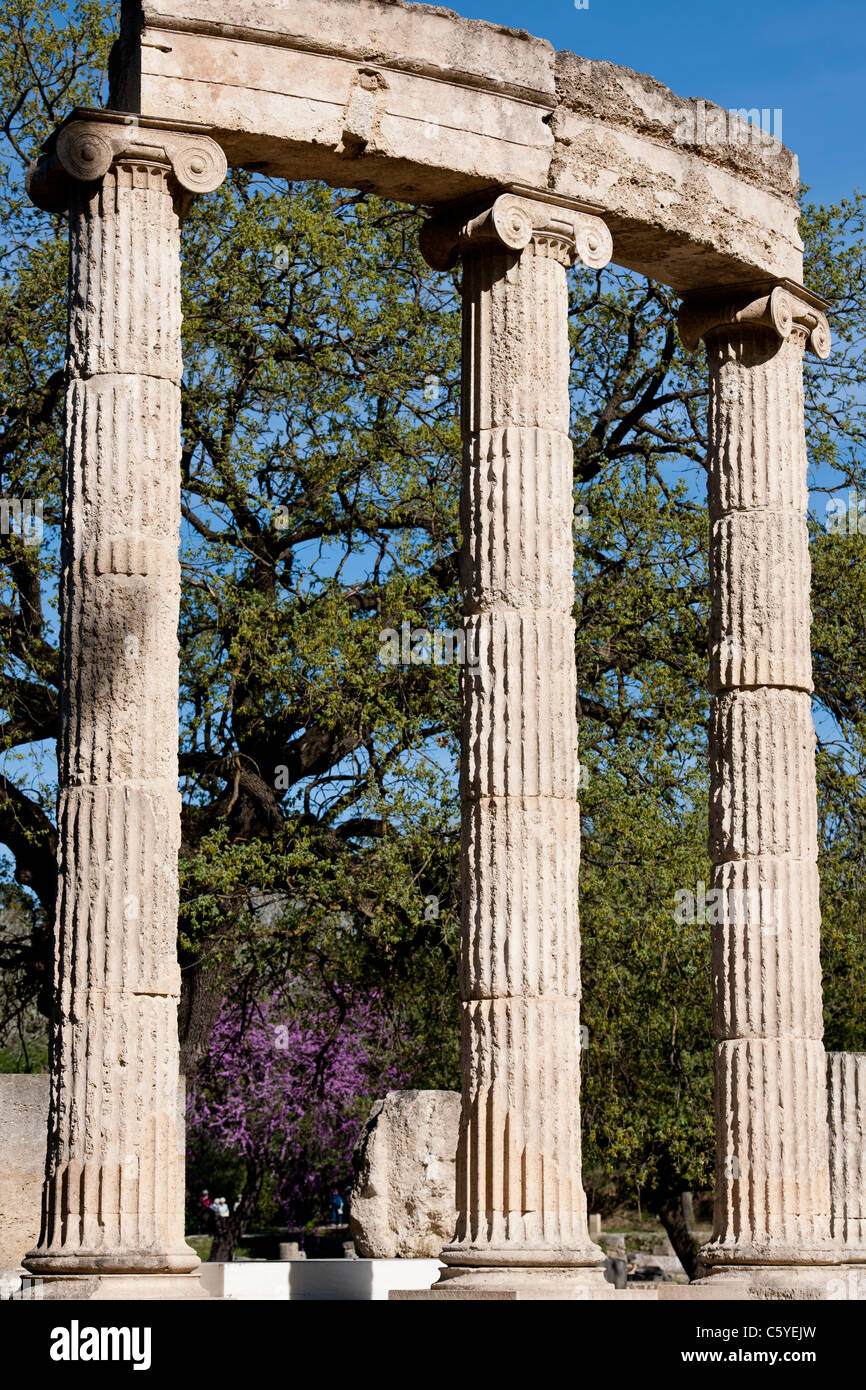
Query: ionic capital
pixel 516 223
pixel 86 146
pixel 784 309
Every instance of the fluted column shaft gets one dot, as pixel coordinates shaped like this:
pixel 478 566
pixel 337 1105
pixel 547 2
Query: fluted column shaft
pixel 114 1191
pixel 520 1198
pixel 772 1175
pixel 846 1106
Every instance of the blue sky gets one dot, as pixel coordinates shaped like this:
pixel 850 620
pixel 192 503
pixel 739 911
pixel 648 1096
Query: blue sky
pixel 808 59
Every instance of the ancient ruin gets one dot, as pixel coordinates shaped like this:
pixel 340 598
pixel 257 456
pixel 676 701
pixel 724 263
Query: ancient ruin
pixel 402 1204
pixel 528 160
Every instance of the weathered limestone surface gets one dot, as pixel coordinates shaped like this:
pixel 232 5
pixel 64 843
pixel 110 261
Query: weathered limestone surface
pixel 693 212
pixel 113 1199
pixel 403 1203
pixel 846 1098
pixel 23 1121
pixel 772 1164
pixel 417 103
pixel 409 97
pixel 519 1195
pixel 634 101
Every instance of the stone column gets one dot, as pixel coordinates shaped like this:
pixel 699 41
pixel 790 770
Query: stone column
pixel 114 1191
pixel 522 1210
pixel 846 1107
pixel 772 1214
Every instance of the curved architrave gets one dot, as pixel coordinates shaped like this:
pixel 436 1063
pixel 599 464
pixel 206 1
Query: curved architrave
pixel 416 103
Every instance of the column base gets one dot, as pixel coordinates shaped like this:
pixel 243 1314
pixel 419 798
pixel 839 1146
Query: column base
pixel 464 1257
pixel 839 1281
pixel 522 1280
pixel 109 1288
pixel 719 1255
pixel 529 1282
pixel 180 1260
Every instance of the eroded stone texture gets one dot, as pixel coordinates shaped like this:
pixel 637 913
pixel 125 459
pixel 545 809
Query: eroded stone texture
pixel 23 1120
pixel 403 1195
pixel 846 1097
pixel 519 1193
pixel 772 1173
pixel 417 103
pixel 408 97
pixel 634 101
pixel 692 195
pixel 113 1199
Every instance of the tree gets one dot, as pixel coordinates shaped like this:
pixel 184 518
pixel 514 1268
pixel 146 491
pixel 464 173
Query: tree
pixel 285 1088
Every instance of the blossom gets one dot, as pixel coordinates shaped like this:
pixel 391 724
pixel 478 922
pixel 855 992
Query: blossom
pixel 287 1084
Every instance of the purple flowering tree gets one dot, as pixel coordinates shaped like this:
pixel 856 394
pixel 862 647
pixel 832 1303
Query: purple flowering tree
pixel 285 1088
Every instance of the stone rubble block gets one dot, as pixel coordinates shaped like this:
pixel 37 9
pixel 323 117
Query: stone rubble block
pixel 23 1126
pixel 403 1196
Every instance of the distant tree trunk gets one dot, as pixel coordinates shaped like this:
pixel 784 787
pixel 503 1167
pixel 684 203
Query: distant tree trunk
pixel 201 997
pixel 229 1229
pixel 668 1207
